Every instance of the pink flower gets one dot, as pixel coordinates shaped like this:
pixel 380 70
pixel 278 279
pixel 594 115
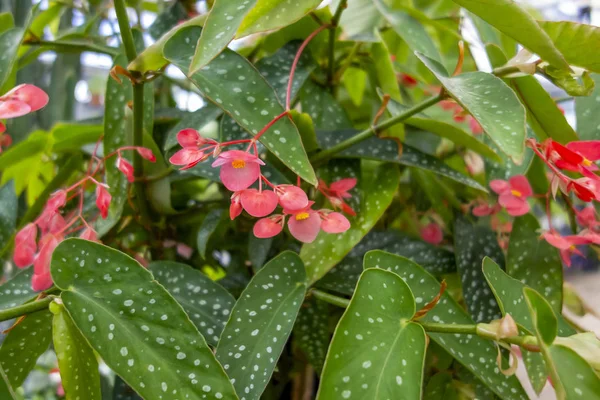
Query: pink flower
pixel 337 192
pixel 126 168
pixel 565 244
pixel 89 234
pixel 184 250
pixel 41 279
pixel 291 197
pixel 13 109
pixel 239 169
pixel 5 139
pixel 304 224
pixel 432 233
pixel 32 96
pixel 190 154
pixel 268 227
pixel 475 126
pixel 485 209
pixel 259 203
pixel 235 208
pixel 103 199
pixel 146 154
pixel 587 217
pixel 334 222
pixel 192 138
pixel 25 246
pixel 513 194
pixel 50 219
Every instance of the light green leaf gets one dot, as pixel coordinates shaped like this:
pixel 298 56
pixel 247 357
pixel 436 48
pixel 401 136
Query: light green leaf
pixel 233 84
pixel 409 29
pixel 260 324
pixel 471 245
pixel 359 20
pixel 491 102
pixel 475 354
pixel 578 379
pixel 509 18
pixel 17 291
pixel 71 137
pixel 574 84
pixel 206 302
pixel 384 68
pixel 198 120
pixel 8 212
pixel 572 40
pixel 383 149
pixel 76 359
pixel 376 352
pixel 379 187
pixel 542 317
pixel 208 227
pixel 32 147
pixel 311 331
pixel 587 109
pixel 135 325
pixel 534 262
pixel 23 345
pixel 273 14
pixel 322 107
pixel 10 41
pixel 355 82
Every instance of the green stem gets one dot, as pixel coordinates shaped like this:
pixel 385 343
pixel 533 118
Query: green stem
pixel 27 308
pixel 126 33
pixel 470 329
pixel 330 298
pixel 332 31
pixel 359 137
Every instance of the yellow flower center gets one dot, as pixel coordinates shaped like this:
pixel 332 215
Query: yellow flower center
pixel 237 164
pixel 302 216
pixel 516 193
pixel 586 162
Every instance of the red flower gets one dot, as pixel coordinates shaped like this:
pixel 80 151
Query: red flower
pixel 432 233
pixel 103 199
pixel 513 194
pixel 126 168
pixel 337 192
pixel 408 80
pixel 587 217
pixel 476 128
pixel 565 244
pixel 25 246
pixel 41 279
pixel 235 208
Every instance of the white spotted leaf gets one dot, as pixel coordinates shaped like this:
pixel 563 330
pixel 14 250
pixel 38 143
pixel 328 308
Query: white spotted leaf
pixel 311 332
pixel 578 378
pixel 23 345
pixel 326 113
pixel 491 102
pixel 260 324
pixel 206 302
pixel 268 15
pixel 233 84
pixel 376 352
pixel 6 391
pixel 167 19
pixel 207 229
pixel 8 211
pixel 10 42
pixel 587 109
pixel 17 291
pixel 136 326
pixel 387 150
pixel 328 250
pixel 76 359
pixel 475 354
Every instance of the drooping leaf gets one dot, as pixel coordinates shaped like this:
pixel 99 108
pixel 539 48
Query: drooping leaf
pixel 260 324
pixel 209 225
pixel 273 14
pixel 197 120
pixel 258 250
pixel 76 359
pixel 327 250
pixel 311 331
pixel 322 107
pixel 509 18
pixel 207 303
pixel 17 291
pixel 24 344
pixel 233 84
pixel 138 329
pixel 586 109
pixel 534 262
pixel 359 20
pixel 384 68
pixel 471 245
pixel 475 354
pixel 10 41
pixel 570 39
pixel 8 212
pixel 387 150
pixel 376 351
pixel 491 102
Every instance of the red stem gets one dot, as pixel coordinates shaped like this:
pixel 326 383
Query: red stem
pixel 270 124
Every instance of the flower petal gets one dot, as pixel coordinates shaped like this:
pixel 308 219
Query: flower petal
pixel 305 230
pixel 31 95
pixel 188 138
pixel 186 156
pixel 335 223
pixel 236 179
pixel 589 149
pixel 266 228
pixel 520 183
pixel 432 233
pixel 343 185
pixel 292 197
pixel 13 109
pixel 259 204
pixel 499 186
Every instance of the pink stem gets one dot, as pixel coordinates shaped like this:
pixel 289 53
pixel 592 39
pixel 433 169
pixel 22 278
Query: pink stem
pixel 270 124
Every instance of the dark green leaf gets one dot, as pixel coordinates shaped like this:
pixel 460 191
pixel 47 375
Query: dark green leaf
pixel 360 20
pixel 8 211
pixel 260 324
pixel 476 354
pixel 135 325
pixel 208 227
pixel 206 302
pixel 10 41
pixel 311 331
pixel 196 120
pixel 232 83
pixel 17 291
pixel 6 391
pixel 572 40
pixel 76 359
pixel 587 109
pixel 167 20
pixel 258 250
pixel 440 387
pixel 122 391
pixel 322 107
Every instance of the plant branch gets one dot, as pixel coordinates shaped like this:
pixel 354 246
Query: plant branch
pixel 27 308
pixel 332 31
pixel 332 151
pixel 126 33
pixel 65 46
pixel 330 298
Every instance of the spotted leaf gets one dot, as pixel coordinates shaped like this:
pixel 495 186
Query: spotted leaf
pixel 327 250
pixel 471 245
pixel 206 302
pixel 10 42
pixel 475 354
pixel 138 329
pixel 260 324
pixel 23 345
pixel 493 104
pixel 6 391
pixel 311 331
pixel 208 227
pixel 76 359
pixel 273 14
pixel 17 291
pixel 233 84
pixel 322 107
pixel 167 19
pixel 578 379
pixel 586 109
pixel 198 120
pixel 8 211
pixel 388 150
pixel 376 351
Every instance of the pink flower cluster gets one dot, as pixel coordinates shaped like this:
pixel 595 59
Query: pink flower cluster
pixel 512 196
pixel 241 169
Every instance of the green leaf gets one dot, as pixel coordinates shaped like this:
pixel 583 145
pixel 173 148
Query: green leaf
pixel 534 262
pixel 197 120
pixel 17 291
pixel 209 226
pixel 260 324
pixel 24 344
pixel 167 20
pixel 445 130
pixel 274 14
pixel 307 130
pixel 571 39
pixel 359 21
pixel 507 168
pixel 440 387
pixel 6 391
pixel 471 245
pixel 409 29
pixel 258 250
pixel 475 354
pixel 71 137
pixel 376 351
pixel 233 84
pixel 576 376
pixel 122 391
pixel 311 331
pixel 35 144
pixel 327 250
pixel 8 212
pixel 387 150
pixel 384 68
pixel 509 18
pixel 206 302
pixel 322 107
pixel 76 359
pixel 572 83
pixel 587 109
pixel 491 102
pixel 135 325
pixel 355 82
pixel 10 41
pixel 543 318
